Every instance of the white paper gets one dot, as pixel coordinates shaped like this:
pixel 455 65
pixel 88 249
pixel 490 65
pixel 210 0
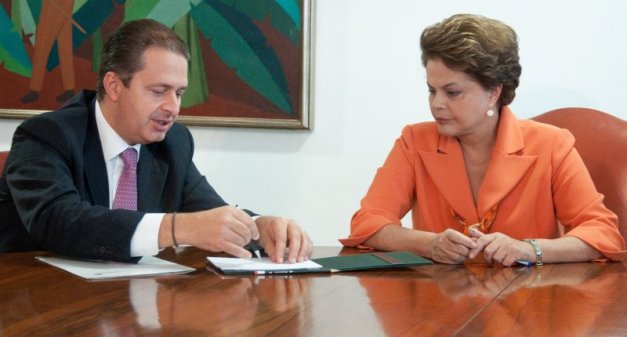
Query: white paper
pixel 95 270
pixel 262 264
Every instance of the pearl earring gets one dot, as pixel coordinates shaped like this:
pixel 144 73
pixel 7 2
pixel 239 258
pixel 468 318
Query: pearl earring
pixel 489 113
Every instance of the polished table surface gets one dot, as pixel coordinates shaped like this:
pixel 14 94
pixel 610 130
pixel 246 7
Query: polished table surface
pixel 579 299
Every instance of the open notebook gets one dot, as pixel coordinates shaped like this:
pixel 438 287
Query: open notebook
pixel 367 261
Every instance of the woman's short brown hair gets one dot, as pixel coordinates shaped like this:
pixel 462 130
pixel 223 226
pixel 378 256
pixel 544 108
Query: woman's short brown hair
pixel 484 48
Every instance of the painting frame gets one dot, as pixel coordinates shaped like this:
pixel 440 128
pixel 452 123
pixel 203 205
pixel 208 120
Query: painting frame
pixel 302 118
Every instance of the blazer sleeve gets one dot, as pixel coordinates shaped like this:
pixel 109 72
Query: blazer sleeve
pixel 578 205
pixel 391 194
pixel 51 196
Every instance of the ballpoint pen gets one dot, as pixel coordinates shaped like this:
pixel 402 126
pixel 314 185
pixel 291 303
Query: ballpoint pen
pixel 525 263
pixel 273 272
pixel 294 271
pixel 253 244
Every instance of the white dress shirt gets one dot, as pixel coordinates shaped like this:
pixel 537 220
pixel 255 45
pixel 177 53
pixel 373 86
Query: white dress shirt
pixel 145 240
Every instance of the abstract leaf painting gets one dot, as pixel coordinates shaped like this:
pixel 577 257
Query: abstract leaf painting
pixel 250 63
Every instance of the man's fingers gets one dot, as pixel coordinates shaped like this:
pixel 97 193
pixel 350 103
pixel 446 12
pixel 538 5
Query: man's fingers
pixel 237 251
pixel 278 233
pixel 306 247
pixel 240 230
pixel 293 234
pixel 280 242
pixel 242 217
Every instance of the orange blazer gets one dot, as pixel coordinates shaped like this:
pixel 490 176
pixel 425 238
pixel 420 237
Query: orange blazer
pixel 535 179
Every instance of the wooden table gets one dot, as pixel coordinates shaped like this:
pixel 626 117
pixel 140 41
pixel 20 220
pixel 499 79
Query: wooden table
pixel 440 300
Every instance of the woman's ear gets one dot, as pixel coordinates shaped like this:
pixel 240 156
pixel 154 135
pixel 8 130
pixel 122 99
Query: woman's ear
pixel 495 94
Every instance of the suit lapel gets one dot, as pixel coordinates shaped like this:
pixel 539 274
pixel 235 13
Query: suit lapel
pixel 507 165
pixel 94 165
pixel 151 176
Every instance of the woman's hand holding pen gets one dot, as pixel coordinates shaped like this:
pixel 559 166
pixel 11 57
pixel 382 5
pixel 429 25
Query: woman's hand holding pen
pixel 451 247
pixel 500 248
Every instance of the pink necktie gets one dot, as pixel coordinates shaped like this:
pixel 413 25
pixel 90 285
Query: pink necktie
pixel 126 193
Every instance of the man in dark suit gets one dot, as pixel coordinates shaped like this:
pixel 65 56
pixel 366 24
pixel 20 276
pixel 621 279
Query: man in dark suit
pixel 60 187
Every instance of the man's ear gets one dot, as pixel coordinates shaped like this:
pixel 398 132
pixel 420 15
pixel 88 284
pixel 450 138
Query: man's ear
pixel 112 84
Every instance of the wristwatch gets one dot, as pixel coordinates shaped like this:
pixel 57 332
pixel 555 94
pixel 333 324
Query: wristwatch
pixel 537 250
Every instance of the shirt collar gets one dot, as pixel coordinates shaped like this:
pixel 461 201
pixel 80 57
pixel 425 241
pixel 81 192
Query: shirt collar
pixel 112 143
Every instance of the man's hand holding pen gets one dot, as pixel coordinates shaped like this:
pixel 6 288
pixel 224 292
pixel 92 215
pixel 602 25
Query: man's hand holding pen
pixel 229 229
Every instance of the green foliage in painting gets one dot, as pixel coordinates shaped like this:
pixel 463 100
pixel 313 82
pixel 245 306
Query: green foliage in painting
pixel 231 27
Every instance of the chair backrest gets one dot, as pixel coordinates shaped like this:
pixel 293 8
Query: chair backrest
pixel 3 159
pixel 601 140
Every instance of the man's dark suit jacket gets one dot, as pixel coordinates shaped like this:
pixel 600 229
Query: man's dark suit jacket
pixel 54 192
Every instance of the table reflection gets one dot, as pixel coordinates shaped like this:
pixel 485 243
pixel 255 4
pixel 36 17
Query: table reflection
pixel 228 307
pixel 74 307
pixel 435 300
pixel 583 299
pixel 441 299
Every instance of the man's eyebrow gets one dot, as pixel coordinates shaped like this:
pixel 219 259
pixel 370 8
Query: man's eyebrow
pixel 167 86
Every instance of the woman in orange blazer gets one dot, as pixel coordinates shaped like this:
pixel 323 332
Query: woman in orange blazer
pixel 478 180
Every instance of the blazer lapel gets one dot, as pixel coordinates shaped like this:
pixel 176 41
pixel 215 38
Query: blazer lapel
pixel 507 165
pixel 94 164
pixel 151 176
pixel 447 170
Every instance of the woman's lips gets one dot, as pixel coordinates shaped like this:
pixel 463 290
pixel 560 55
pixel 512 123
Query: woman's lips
pixel 442 121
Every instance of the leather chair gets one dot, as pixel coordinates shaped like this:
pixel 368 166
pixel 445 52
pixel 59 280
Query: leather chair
pixel 3 159
pixel 601 140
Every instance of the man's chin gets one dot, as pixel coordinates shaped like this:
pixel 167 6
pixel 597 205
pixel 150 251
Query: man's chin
pixel 154 137
pixel 159 138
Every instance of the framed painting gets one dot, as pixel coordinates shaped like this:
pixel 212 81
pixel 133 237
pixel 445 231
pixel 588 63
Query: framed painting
pixel 250 65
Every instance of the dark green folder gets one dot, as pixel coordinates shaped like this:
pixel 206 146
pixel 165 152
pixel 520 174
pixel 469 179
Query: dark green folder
pixel 353 262
pixel 371 261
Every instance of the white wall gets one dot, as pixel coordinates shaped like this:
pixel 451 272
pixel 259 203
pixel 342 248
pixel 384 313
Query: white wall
pixel 369 83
